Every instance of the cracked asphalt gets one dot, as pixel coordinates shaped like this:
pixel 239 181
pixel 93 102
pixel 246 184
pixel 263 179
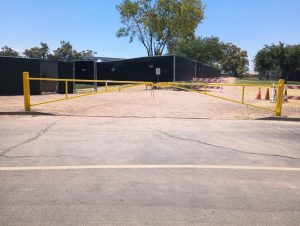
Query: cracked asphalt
pixel 143 196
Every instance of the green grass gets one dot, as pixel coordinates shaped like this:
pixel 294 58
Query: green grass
pixel 83 86
pixel 253 81
pixel 294 83
pixel 257 81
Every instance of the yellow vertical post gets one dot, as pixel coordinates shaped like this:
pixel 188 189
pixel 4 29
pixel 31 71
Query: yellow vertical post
pixel 106 87
pixel 279 97
pixel 243 94
pixel 26 90
pixel 205 87
pixel 66 88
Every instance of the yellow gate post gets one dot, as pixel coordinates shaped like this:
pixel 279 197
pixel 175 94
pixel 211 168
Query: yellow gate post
pixel 66 89
pixel 279 97
pixel 26 90
pixel 243 94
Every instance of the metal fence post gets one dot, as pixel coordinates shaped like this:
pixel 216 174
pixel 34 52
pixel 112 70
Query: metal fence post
pixel 26 90
pixel 279 97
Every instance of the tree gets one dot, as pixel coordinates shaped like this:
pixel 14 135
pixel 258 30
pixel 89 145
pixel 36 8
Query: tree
pixel 235 61
pixel 66 52
pixel 38 52
pixel 209 50
pixel 156 23
pixel 85 54
pixel 212 51
pixel 293 58
pixel 7 51
pixel 281 58
pixel 263 60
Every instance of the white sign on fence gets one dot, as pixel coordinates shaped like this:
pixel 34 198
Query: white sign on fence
pixel 157 71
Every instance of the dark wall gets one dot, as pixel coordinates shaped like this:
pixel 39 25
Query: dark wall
pixel 84 70
pixel 11 75
pixel 292 76
pixel 209 72
pixel 185 69
pixel 48 69
pixel 297 75
pixel 137 69
pixel 199 70
pixel 65 71
pixel 144 69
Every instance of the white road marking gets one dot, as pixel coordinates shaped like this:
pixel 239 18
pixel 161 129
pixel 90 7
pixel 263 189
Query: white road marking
pixel 74 167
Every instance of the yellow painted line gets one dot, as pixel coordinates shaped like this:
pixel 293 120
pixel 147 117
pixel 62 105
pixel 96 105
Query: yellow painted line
pixel 217 167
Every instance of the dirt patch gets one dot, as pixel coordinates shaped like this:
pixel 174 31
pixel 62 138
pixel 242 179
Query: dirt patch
pixel 139 102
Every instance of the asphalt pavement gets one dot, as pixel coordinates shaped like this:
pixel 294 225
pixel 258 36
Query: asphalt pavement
pixel 65 170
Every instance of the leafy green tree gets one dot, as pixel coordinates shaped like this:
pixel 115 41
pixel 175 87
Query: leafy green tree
pixel 156 23
pixel 212 51
pixel 281 58
pixel 235 61
pixel 209 50
pixel 38 52
pixel 7 51
pixel 293 58
pixel 66 52
pixel 85 54
pixel 264 60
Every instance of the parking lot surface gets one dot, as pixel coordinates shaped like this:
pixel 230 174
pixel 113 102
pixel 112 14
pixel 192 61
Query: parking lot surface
pixel 155 171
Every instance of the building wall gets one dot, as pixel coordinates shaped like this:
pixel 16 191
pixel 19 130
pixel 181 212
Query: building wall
pixel 144 69
pixel 84 69
pixel 137 69
pixel 48 69
pixel 11 75
pixel 65 71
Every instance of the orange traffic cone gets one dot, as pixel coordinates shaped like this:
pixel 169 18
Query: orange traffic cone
pixel 285 96
pixel 258 96
pixel 267 97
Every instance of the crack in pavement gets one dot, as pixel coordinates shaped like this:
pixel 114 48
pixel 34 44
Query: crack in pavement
pixel 40 156
pixel 130 116
pixel 230 149
pixel 39 134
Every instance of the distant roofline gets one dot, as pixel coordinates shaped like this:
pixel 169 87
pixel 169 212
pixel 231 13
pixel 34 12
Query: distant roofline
pixel 104 59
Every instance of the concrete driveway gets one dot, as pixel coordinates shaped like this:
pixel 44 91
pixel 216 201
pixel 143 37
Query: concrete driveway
pixel 81 170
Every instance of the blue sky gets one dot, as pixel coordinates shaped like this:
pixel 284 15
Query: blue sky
pixel 92 24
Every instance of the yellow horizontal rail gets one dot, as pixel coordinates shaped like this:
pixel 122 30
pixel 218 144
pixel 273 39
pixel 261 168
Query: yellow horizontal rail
pixel 213 84
pixel 224 98
pixel 88 81
pixel 128 84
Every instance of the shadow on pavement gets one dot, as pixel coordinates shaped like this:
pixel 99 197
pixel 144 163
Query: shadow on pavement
pixel 280 119
pixel 25 113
